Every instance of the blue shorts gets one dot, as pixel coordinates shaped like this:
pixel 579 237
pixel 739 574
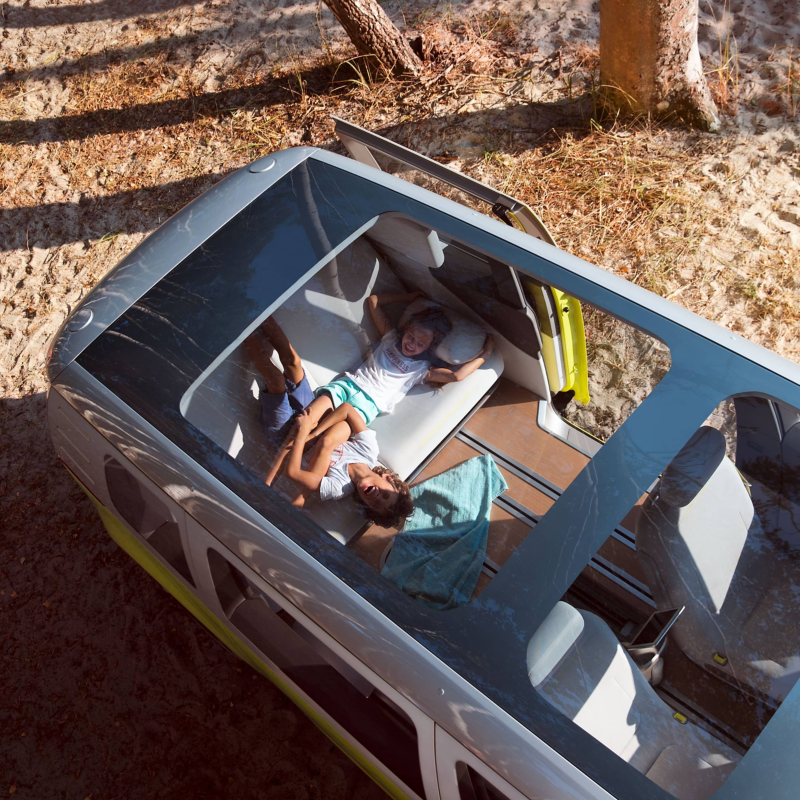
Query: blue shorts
pixel 343 390
pixel 278 410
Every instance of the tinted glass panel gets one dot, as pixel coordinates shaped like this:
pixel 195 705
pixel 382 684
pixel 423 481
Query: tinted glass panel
pixel 489 288
pixel 473 786
pixel 692 608
pixel 147 515
pixel 154 351
pixel 427 181
pixel 363 711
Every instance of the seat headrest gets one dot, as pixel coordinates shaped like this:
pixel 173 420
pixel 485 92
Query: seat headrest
pixel 409 238
pixel 693 467
pixel 551 642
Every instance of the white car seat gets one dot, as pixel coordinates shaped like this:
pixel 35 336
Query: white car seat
pixel 701 545
pixel 577 664
pixel 330 327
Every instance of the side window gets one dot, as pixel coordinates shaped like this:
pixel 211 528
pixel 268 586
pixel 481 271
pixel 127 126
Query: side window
pixel 463 776
pixel 473 786
pixel 366 713
pixel 147 515
pixel 622 364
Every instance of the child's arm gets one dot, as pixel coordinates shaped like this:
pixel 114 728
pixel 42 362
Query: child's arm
pixel 375 301
pixel 442 375
pixel 302 477
pixel 345 413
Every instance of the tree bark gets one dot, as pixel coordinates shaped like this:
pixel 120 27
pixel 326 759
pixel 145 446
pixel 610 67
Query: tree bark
pixel 373 34
pixel 649 60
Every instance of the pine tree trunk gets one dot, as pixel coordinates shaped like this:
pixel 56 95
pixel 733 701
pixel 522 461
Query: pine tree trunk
pixel 373 34
pixel 649 60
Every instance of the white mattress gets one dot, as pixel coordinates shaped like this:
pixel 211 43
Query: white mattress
pixel 329 325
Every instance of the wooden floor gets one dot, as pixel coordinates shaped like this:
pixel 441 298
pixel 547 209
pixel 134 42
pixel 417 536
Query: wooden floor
pixel 509 408
pixel 508 421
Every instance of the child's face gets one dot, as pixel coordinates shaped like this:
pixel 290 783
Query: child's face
pixel 377 492
pixel 416 340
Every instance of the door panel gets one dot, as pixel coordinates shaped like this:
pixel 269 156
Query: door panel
pixel 462 776
pixel 357 706
pixel 364 145
pixel 563 338
pixel 147 511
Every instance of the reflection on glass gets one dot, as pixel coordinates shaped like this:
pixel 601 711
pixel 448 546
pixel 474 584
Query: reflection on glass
pixel 427 181
pixel 717 537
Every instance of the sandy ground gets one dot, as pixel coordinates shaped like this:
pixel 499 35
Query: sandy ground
pixel 113 118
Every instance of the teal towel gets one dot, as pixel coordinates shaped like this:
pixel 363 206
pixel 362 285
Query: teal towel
pixel 437 557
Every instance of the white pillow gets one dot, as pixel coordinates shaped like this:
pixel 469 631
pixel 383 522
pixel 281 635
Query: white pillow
pixel 464 342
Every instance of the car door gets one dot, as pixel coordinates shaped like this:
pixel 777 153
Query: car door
pixel 559 317
pixel 370 721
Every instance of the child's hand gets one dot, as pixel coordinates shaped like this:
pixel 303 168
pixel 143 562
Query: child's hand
pixel 305 424
pixel 431 381
pixel 488 346
pixel 418 294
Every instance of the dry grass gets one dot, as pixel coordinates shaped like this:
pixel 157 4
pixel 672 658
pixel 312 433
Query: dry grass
pixel 140 138
pixel 622 197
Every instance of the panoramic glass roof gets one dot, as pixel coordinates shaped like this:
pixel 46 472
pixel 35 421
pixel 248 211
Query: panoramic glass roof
pixel 160 346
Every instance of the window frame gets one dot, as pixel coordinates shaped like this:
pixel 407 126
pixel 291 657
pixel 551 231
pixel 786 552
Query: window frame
pixel 201 542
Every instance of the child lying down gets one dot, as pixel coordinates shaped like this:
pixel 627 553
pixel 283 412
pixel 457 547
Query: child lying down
pixel 345 454
pixel 400 361
pixel 337 469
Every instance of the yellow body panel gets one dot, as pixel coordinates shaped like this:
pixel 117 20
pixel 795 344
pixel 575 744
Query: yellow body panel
pixel 570 318
pixel 573 345
pixel 540 227
pixel 142 556
pixel 549 354
pixel 573 341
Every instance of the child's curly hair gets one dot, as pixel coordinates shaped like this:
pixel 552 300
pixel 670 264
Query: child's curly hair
pixel 432 319
pixel 403 506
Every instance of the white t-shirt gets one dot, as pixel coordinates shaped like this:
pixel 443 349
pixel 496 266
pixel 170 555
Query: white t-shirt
pixel 361 449
pixel 387 375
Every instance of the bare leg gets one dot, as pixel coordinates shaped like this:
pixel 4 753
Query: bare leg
pixel 292 365
pixel 273 377
pixel 280 456
pixel 319 407
pixel 316 409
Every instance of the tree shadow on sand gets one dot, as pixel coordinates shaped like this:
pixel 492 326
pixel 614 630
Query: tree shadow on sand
pixel 249 26
pixel 92 218
pixel 162 114
pixel 135 211
pixel 73 14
